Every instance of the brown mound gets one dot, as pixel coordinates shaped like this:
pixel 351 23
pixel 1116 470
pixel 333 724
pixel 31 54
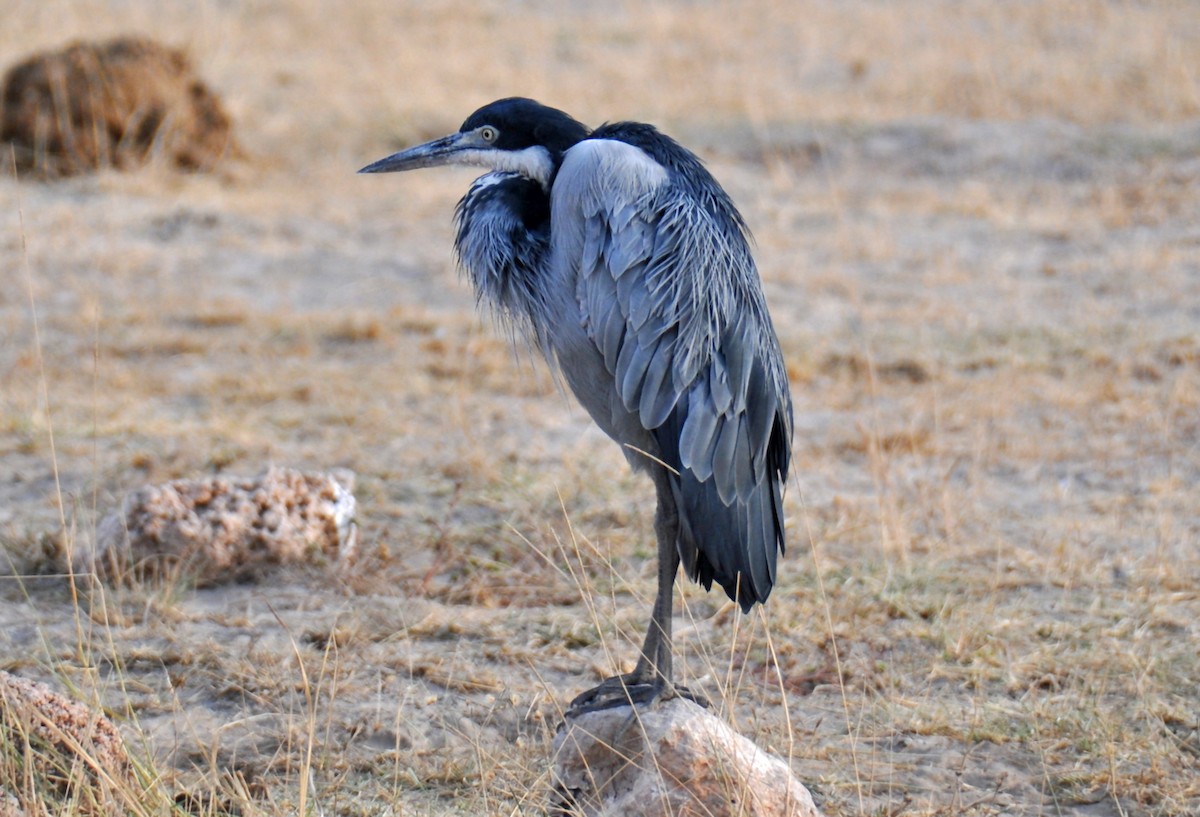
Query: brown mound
pixel 110 104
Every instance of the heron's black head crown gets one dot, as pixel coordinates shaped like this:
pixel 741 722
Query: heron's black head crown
pixel 513 135
pixel 521 123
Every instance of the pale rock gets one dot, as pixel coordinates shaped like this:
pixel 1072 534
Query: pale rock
pixel 10 806
pixel 219 529
pixel 68 755
pixel 673 759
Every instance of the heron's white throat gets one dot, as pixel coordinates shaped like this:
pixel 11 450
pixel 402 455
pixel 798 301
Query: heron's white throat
pixel 532 162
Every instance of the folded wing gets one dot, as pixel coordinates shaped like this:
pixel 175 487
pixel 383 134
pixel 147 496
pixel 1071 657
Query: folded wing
pixel 672 301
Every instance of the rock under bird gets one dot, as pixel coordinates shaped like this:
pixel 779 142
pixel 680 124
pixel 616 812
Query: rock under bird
pixel 619 256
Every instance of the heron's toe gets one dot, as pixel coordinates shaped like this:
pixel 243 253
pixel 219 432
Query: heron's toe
pixel 620 690
pixel 627 690
pixel 680 691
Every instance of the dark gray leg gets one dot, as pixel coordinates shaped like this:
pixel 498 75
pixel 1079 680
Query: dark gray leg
pixel 651 679
pixel 654 665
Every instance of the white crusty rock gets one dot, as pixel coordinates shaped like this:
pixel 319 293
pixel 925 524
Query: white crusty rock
pixel 65 757
pixel 219 529
pixel 674 759
pixel 10 806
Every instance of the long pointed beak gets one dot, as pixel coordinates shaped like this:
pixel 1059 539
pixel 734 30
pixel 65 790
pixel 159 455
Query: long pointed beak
pixel 431 154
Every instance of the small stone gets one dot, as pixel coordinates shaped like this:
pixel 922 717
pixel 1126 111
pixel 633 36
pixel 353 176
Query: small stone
pixel 673 759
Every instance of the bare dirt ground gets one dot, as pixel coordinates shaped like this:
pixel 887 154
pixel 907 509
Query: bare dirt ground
pixel 979 231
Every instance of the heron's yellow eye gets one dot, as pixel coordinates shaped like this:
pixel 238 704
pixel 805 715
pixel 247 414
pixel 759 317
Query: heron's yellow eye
pixel 488 133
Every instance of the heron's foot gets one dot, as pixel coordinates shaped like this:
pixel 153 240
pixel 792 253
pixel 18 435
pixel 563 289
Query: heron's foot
pixel 631 690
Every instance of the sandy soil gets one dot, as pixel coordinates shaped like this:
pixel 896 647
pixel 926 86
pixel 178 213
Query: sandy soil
pixel 989 603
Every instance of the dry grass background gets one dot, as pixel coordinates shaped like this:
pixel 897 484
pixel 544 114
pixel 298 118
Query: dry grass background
pixel 977 225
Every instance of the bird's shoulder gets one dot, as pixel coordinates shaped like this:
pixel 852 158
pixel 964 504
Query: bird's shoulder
pixel 625 168
pixel 596 172
pixel 632 149
pixel 669 154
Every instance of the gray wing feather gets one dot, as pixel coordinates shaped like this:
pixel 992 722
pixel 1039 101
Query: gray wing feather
pixel 631 370
pixel 698 439
pixel 718 384
pixel 610 330
pixel 658 400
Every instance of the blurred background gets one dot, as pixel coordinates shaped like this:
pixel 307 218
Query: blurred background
pixel 307 78
pixel 978 226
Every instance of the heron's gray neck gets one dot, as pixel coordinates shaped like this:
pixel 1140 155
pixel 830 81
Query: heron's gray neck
pixel 531 162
